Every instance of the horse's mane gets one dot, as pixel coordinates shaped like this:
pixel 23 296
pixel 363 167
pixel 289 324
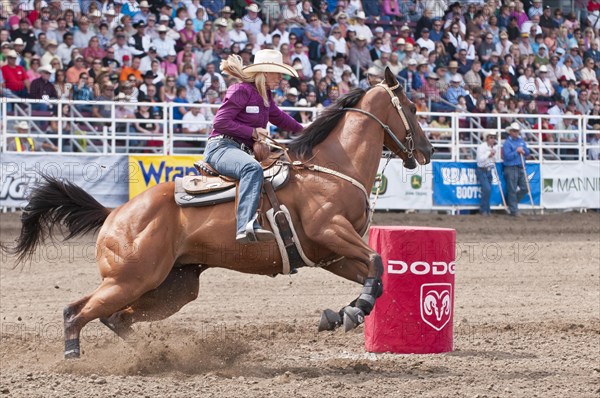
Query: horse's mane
pixel 320 129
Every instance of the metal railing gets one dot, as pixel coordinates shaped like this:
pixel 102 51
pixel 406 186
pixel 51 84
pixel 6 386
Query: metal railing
pixel 119 131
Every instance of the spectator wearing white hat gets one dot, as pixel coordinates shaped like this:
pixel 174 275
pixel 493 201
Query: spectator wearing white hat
pixel 513 150
pixel 361 28
pixel 237 35
pixel 251 20
pixel 15 76
pixel 455 91
pixel 359 55
pixel 373 77
pixel 488 153
pixel 409 74
pixel 544 85
pixel 163 44
pixel 536 9
pixel 81 37
pixel 23 143
pixel 291 97
pixel 42 89
pixel 143 13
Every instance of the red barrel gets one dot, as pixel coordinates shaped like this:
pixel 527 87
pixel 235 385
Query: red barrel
pixel 414 315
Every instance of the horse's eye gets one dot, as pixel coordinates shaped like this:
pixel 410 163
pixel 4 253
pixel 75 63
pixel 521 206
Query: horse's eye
pixel 413 109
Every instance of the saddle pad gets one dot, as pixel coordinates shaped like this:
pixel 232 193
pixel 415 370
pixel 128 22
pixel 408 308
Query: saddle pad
pixel 195 185
pixel 278 175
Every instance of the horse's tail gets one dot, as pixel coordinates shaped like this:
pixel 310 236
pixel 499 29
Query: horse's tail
pixel 56 202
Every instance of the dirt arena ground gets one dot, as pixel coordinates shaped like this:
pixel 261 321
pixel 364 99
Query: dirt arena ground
pixel 526 325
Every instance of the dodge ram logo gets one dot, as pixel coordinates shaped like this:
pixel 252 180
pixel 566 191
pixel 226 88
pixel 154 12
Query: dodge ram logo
pixel 436 304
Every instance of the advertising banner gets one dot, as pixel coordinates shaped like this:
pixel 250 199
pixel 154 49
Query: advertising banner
pixel 401 188
pixel 455 184
pixel 104 177
pixel 568 185
pixel 146 171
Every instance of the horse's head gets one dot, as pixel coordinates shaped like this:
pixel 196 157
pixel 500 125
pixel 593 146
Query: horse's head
pixel 407 140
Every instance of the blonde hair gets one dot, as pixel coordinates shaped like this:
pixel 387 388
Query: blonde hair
pixel 233 66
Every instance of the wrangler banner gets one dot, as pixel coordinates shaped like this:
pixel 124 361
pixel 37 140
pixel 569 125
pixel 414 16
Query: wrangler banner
pixel 146 171
pixel 104 177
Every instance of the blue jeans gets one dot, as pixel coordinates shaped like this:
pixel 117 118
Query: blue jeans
pixel 228 159
pixel 485 178
pixel 516 187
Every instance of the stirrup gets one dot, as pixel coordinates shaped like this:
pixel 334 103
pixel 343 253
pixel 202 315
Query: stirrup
pixel 253 235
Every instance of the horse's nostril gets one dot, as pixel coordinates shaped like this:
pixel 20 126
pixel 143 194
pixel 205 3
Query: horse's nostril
pixel 432 150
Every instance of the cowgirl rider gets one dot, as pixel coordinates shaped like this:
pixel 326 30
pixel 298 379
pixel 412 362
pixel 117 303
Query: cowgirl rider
pixel 239 123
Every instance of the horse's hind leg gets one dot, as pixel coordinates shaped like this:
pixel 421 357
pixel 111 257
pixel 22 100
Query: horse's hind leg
pixel 179 288
pixel 113 294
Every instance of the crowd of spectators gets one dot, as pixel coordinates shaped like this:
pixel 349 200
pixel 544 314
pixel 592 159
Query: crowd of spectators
pixel 478 56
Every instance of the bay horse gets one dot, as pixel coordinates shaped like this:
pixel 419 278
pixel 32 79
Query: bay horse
pixel 150 252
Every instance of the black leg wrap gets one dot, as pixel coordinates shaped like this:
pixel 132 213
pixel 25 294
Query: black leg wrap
pixel 72 349
pixel 355 313
pixel 372 289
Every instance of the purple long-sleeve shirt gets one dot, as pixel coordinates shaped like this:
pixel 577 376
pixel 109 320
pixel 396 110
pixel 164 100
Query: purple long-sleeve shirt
pixel 243 110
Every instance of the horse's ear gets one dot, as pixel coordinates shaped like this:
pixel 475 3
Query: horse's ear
pixel 390 79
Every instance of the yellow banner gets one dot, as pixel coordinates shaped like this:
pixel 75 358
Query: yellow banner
pixel 146 171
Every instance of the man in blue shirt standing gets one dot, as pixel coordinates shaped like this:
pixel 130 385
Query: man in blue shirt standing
pixel 513 149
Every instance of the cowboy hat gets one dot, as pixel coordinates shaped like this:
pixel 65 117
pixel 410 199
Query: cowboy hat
pixel 456 78
pixel 270 61
pixel 374 71
pixel 302 102
pixel 46 68
pixel 513 126
pixel 226 10
pixel 253 7
pixel 221 22
pixel 361 15
pixel 293 91
pixel 144 4
pixel 11 54
pixel 22 125
pixel 489 134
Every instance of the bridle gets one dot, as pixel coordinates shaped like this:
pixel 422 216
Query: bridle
pixel 409 148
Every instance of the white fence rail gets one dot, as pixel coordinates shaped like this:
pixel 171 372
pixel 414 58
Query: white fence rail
pixel 112 127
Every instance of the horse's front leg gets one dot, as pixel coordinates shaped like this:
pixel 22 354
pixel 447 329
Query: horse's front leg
pixel 361 264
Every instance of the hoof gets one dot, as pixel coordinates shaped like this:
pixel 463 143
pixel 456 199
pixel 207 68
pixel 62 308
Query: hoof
pixel 73 354
pixel 122 331
pixel 352 318
pixel 329 320
pixel 72 349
